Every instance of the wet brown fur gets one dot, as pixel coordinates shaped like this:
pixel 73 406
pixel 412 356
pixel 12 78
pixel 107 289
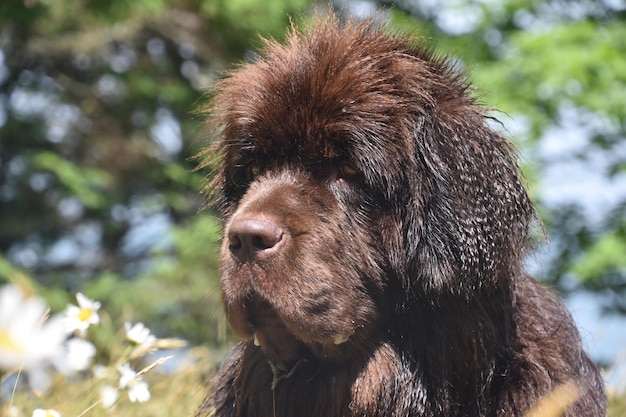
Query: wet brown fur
pixel 405 224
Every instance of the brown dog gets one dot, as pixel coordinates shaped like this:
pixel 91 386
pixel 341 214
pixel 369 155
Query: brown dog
pixel 374 233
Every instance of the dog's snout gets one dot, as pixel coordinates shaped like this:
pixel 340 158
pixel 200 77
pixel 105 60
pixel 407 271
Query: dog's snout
pixel 251 238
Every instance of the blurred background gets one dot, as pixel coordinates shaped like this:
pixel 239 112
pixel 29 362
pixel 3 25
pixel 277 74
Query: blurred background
pixel 100 124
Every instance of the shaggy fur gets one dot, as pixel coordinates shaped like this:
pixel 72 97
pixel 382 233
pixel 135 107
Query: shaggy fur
pixel 375 227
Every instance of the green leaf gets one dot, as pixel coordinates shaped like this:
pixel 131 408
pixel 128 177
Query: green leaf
pixel 607 253
pixel 580 62
pixel 84 183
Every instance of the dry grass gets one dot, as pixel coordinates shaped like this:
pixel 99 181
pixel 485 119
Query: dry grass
pixel 617 404
pixel 557 402
pixel 175 394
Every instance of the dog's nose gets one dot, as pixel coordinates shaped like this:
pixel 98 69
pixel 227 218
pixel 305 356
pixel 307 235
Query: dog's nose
pixel 251 238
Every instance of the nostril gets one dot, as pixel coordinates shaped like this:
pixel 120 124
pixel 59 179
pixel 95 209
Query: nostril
pixel 249 238
pixel 260 244
pixel 234 242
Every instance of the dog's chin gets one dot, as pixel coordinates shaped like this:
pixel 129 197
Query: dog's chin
pixel 284 344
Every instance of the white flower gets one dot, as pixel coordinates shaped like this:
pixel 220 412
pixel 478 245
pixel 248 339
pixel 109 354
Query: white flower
pixel 109 396
pixel 137 388
pixel 27 340
pixel 46 413
pixel 79 318
pixel 13 411
pixel 139 334
pixel 79 354
pixel 100 371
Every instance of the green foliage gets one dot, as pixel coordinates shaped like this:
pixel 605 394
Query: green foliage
pixel 578 62
pixel 112 11
pixel 617 405
pixel 242 20
pixel 15 11
pixel 83 183
pixel 178 295
pixel 605 256
pixel 10 274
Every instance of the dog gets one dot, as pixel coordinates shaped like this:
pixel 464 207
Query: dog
pixel 375 227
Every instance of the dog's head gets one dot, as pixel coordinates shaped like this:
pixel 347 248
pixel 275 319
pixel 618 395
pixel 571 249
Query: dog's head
pixel 353 163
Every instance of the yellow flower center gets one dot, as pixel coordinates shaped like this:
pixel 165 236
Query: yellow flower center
pixel 85 314
pixel 49 414
pixel 8 343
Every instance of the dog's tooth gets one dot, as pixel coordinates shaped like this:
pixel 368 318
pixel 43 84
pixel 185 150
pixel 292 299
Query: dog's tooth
pixel 341 338
pixel 256 340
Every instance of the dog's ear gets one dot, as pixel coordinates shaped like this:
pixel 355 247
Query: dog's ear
pixel 475 215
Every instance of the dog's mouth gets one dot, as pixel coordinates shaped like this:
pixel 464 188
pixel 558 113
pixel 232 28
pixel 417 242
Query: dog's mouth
pixel 271 334
pixel 282 342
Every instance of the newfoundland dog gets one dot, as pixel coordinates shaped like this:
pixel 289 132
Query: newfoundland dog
pixel 374 232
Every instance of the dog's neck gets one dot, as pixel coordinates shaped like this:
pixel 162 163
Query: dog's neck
pixel 450 365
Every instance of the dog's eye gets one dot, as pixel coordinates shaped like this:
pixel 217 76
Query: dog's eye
pixel 347 170
pixel 253 169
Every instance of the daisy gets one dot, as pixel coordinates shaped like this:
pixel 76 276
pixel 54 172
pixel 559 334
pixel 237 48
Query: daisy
pixel 79 318
pixel 28 341
pixel 139 334
pixel 78 357
pixel 100 371
pixel 46 413
pixel 137 388
pixel 109 396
